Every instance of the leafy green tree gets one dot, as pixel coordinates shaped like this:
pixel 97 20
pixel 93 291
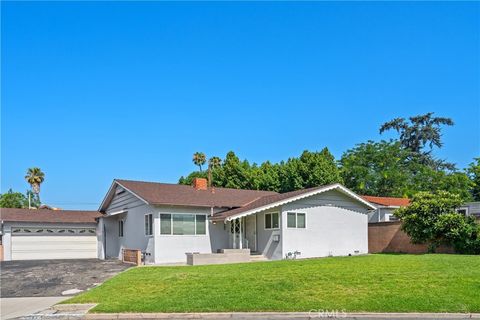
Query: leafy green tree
pixel 12 199
pixel 388 169
pixel 377 168
pixel 431 218
pixel 188 180
pixel 233 173
pixel 266 177
pixel 419 132
pixel 310 169
pixel 199 159
pixel 473 172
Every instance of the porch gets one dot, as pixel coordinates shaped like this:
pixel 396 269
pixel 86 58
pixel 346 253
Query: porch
pixel 260 233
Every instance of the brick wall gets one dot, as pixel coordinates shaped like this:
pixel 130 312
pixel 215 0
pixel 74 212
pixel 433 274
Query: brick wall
pixel 387 237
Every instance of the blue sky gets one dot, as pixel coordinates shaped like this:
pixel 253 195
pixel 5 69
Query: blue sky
pixel 96 91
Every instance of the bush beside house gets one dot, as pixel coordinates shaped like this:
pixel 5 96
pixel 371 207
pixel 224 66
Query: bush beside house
pixel 431 219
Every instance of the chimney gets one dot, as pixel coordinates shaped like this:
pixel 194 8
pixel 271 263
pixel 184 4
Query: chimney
pixel 200 183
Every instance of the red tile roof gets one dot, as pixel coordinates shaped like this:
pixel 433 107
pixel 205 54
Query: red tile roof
pixel 185 195
pixel 388 201
pixel 48 216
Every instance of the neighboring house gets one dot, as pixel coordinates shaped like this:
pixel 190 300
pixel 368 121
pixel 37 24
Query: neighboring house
pixel 166 221
pixel 32 234
pixel 470 209
pixel 385 206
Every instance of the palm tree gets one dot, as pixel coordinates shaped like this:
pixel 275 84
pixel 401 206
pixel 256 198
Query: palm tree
pixel 199 159
pixel 35 177
pixel 213 162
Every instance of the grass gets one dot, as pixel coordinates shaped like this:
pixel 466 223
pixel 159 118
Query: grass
pixel 373 283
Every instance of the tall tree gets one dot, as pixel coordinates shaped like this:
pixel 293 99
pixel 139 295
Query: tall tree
pixel 388 169
pixel 473 172
pixel 419 131
pixel 213 163
pixel 199 159
pixel 35 178
pixel 377 168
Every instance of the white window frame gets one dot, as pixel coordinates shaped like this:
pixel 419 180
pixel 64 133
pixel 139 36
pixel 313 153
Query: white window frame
pixel 296 220
pixel 183 235
pixel 271 220
pixel 150 226
pixel 463 208
pixel 121 228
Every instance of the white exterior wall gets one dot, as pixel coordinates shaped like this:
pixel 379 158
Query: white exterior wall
pixel 173 248
pixel 133 214
pixel 133 232
pixel 336 225
pixel 265 237
pixel 381 214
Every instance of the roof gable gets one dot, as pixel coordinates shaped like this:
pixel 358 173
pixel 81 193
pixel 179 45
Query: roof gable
pixel 276 200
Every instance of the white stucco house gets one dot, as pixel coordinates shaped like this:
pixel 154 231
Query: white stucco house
pixel 167 221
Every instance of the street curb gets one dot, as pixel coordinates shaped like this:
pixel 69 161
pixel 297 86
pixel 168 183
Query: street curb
pixel 279 315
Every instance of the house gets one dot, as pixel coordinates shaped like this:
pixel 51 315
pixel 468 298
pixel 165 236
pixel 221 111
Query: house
pixel 167 221
pixel 470 209
pixel 385 206
pixel 32 234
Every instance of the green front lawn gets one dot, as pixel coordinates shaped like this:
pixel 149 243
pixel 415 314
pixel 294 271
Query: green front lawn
pixel 374 283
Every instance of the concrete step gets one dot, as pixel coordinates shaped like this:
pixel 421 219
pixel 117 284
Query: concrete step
pixel 258 257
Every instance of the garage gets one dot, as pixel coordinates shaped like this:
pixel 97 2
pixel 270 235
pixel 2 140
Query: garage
pixel 49 234
pixel 50 243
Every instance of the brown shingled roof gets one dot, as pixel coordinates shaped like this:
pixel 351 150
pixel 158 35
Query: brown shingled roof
pixel 176 194
pixel 48 216
pixel 262 202
pixel 388 201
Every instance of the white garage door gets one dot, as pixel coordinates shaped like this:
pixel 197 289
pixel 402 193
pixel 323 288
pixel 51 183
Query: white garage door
pixel 55 245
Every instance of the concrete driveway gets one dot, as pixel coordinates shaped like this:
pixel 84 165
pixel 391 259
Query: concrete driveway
pixel 31 286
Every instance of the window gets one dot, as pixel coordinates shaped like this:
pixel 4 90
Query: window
pixel 183 224
pixel 291 220
pixel 301 220
pixel 463 211
pixel 120 228
pixel 271 220
pixel 200 225
pixel 296 220
pixel 165 224
pixel 148 224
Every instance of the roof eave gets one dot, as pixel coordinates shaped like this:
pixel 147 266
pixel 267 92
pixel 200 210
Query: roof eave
pixel 299 197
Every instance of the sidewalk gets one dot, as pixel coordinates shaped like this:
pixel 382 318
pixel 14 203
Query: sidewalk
pixel 17 307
